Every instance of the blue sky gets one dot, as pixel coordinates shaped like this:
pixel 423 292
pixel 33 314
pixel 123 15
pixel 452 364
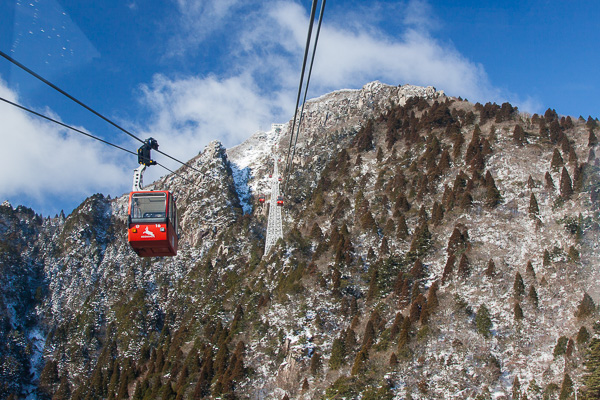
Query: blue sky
pixel 190 71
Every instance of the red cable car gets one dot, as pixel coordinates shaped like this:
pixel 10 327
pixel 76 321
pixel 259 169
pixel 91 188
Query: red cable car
pixel 280 201
pixel 152 215
pixel 279 179
pixel 261 199
pixel 153 223
pixel 270 175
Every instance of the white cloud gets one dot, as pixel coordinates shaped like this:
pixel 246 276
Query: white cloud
pixel 351 57
pixel 42 160
pixel 189 113
pixel 197 20
pixel 260 83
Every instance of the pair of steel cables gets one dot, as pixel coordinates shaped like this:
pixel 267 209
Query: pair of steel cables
pixel 53 86
pixel 289 161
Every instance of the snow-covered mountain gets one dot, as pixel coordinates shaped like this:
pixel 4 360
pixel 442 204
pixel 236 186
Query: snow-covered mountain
pixel 433 249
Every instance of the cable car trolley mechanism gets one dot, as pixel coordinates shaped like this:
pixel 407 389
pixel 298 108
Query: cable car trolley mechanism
pixel 152 215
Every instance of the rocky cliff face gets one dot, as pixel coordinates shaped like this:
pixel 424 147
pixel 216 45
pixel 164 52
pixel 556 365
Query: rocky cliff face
pixel 433 249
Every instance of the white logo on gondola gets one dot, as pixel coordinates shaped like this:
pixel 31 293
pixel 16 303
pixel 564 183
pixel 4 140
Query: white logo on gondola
pixel 147 233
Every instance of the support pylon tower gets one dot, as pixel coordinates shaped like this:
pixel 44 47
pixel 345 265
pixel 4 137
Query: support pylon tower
pixel 274 223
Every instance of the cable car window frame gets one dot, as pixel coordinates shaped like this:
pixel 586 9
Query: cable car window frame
pixel 140 210
pixel 173 214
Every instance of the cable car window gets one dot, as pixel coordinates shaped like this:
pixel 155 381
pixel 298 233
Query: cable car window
pixel 148 207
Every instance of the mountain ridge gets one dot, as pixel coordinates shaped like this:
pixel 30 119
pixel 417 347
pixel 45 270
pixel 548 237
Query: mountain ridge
pixel 432 249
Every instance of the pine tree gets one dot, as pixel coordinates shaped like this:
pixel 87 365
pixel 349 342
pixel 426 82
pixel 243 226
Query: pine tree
pixel 206 374
pixel 566 389
pixel 404 338
pixel 572 156
pixel 379 155
pixel 533 206
pixel 529 270
pixel 416 307
pixel 493 197
pixel 490 271
pixel 578 176
pixel 518 312
pixel 518 285
pixel 395 328
pixel 474 146
pixel 425 312
pixel 404 299
pixel 586 307
pixel 390 228
pixel 516 389
pixel 483 320
pixel 49 377
pixel 369 335
pixel 533 296
pixel 592 139
pixel 463 266
pixel 561 346
pixel 573 254
pixel 359 361
pixel 423 216
pixel 591 376
pixel 384 249
pixel 556 133
pixel 566 185
pixel 305 385
pixel 432 299
pixel 373 287
pixel 448 268
pixel 437 213
pixel 364 139
pixel 316 364
pixel 417 271
pixel 350 340
pixel 402 203
pixel 421 241
pixel 358 160
pixel 448 198
pixel 466 201
pixel 338 354
pixel 368 222
pixel 583 335
pixel 458 241
pixel 316 233
pixel 64 390
pixel 519 135
pixel 570 347
pixel 546 260
pixel 458 140
pixel 557 160
pixel 168 393
pixel 402 228
pixel 444 163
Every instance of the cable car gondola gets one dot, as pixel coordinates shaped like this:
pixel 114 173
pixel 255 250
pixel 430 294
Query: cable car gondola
pixel 280 201
pixel 261 199
pixel 152 215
